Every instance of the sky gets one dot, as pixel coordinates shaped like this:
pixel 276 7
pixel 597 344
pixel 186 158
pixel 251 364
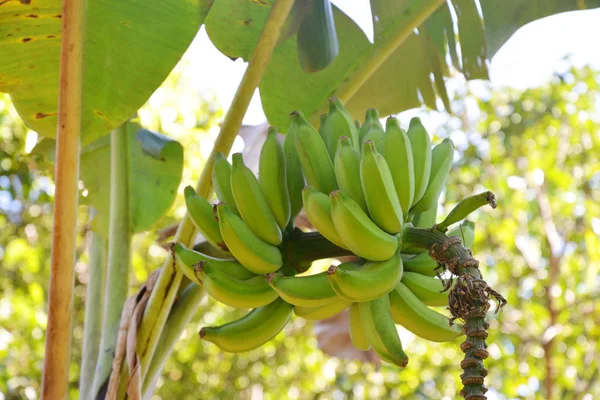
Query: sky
pixel 529 58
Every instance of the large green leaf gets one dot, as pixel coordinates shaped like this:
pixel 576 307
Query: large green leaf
pixel 155 168
pixel 401 82
pixel 404 80
pixel 130 48
pixel 503 18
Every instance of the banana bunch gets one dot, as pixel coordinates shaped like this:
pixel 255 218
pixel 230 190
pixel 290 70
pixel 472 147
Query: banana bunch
pixel 359 185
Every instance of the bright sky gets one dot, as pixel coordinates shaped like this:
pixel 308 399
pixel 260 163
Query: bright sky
pixel 529 58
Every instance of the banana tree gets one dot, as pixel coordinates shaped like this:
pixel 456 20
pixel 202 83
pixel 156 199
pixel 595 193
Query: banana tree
pixel 77 71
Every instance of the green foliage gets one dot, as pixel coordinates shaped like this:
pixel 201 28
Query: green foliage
pixel 130 48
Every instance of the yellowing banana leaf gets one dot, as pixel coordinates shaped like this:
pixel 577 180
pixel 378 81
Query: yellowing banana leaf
pixel 130 48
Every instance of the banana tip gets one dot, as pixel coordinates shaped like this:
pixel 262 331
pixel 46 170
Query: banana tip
pixel 202 333
pixel 402 364
pixel 331 270
pixel 270 277
pixel 335 193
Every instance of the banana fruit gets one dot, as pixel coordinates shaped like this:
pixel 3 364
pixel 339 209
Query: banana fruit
pixel 293 174
pixel 381 332
pixel 318 211
pixel 247 293
pixel 303 291
pixel 314 157
pixel 372 129
pixel 251 202
pixel 426 288
pixel 380 193
pixel 347 171
pixel 202 215
pixel 322 312
pixel 338 123
pixel 251 331
pixel 356 329
pixel 372 280
pixel 358 232
pixel 420 144
pixel 410 312
pixel 399 157
pixel 442 157
pixel 273 180
pixel 188 259
pixel 251 251
pixel 221 177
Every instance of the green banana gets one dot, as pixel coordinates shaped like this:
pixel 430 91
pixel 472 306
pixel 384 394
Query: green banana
pixel 381 332
pixel 358 232
pixel 356 329
pixel 221 177
pixel 322 312
pixel 252 252
pixel 465 207
pixel 425 219
pixel 252 204
pixel 201 214
pixel 318 211
pixel 338 123
pixel 374 279
pixel 399 157
pixel 251 331
pixel 421 263
pixel 420 144
pixel 312 152
pixel 426 288
pixel 380 193
pixel 372 130
pixel 304 291
pixel 442 157
pixel 347 171
pixel 248 293
pixel 466 233
pixel 272 178
pixel 187 260
pixel 317 41
pixel 293 172
pixel 410 312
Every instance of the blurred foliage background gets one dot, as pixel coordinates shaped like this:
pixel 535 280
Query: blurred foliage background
pixel 538 150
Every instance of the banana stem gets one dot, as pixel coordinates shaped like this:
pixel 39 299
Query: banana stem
pixel 94 306
pixel 469 301
pixel 307 247
pixel 167 286
pixel 55 379
pixel 119 252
